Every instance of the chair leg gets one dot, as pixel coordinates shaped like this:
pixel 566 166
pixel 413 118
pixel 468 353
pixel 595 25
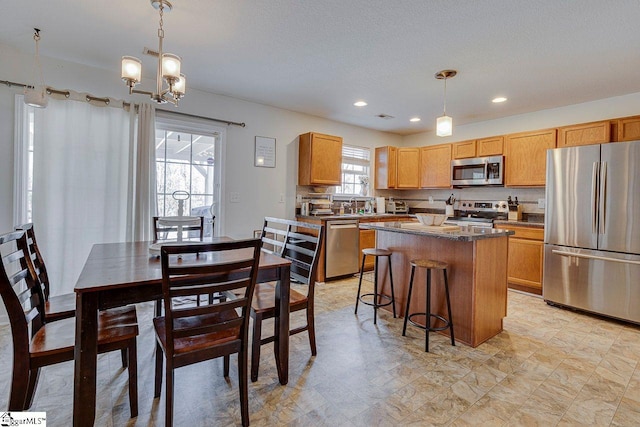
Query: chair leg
pixel 446 289
pixel 158 382
pixel 225 363
pixel 311 329
pixel 393 295
pixel 132 354
pixel 360 283
pixel 158 307
pixel 34 374
pixel 255 346
pixel 243 386
pixel 375 292
pixel 428 310
pixel 168 417
pixel 19 384
pixel 123 356
pixel 406 311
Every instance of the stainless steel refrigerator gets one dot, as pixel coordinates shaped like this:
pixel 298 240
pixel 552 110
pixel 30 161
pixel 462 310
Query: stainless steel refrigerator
pixel 592 229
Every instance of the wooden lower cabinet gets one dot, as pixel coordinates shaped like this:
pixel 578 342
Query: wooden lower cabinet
pixel 525 261
pixel 367 240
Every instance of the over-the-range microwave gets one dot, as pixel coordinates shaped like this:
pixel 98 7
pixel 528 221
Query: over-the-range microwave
pixel 477 171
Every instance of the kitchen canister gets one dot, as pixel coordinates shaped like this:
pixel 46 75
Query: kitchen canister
pixel 380 206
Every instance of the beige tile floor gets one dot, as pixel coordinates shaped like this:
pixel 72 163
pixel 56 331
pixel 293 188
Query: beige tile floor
pixel 549 367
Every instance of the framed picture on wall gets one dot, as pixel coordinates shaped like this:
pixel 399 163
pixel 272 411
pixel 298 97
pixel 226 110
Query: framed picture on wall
pixel 265 152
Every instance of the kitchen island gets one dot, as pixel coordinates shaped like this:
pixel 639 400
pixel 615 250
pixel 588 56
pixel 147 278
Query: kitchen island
pixel 477 274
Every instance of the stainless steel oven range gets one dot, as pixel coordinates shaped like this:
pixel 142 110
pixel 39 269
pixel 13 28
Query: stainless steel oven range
pixel 479 213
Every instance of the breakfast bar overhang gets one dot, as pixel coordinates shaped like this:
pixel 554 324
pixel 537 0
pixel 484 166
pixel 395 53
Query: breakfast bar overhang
pixel 477 274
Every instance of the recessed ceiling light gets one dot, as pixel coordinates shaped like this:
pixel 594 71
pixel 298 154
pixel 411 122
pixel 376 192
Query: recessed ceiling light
pixel 360 104
pixel 414 119
pixel 498 99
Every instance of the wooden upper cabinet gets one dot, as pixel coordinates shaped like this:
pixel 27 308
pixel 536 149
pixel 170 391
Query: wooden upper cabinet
pixel 628 128
pixel 386 167
pixel 319 159
pixel 584 134
pixel 464 149
pixel 526 157
pixel 435 166
pixel 408 167
pixel 490 146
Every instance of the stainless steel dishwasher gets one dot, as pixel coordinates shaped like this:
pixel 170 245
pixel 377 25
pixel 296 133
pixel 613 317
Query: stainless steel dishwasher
pixel 341 253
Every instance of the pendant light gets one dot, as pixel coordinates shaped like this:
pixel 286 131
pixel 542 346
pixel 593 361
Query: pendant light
pixel 444 123
pixel 168 68
pixel 36 95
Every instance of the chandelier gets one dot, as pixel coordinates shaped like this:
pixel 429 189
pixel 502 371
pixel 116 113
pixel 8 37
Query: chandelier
pixel 168 71
pixel 444 123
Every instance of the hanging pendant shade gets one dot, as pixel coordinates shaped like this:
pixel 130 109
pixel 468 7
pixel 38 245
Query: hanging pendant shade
pixel 36 95
pixel 444 123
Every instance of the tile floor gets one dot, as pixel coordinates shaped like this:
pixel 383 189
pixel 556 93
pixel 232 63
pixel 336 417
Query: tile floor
pixel 549 367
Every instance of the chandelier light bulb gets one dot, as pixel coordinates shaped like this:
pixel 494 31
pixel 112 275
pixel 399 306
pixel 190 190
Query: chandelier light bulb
pixel 170 66
pixel 180 86
pixel 444 126
pixel 131 69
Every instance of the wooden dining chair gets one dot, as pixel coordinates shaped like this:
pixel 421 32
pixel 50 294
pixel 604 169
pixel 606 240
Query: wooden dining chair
pixel 165 228
pixel 55 307
pixel 301 244
pixel 37 343
pixel 192 334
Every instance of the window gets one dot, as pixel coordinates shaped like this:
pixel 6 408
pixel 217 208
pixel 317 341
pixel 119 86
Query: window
pixel 187 160
pixel 355 170
pixel 23 176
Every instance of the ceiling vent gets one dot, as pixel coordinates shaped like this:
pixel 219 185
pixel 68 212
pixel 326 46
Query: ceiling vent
pixel 385 116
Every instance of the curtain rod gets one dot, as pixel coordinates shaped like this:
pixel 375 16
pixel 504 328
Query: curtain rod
pixel 124 104
pixel 193 116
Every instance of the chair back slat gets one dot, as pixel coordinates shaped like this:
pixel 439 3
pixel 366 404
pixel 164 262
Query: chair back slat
pixel 234 324
pixel 36 258
pixel 300 245
pixel 20 290
pixel 216 308
pixel 206 268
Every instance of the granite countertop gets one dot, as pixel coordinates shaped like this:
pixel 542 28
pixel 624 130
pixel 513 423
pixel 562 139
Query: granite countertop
pixel 532 224
pixel 354 216
pixel 465 234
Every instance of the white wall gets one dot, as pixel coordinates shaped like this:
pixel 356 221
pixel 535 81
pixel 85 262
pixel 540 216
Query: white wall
pixel 259 188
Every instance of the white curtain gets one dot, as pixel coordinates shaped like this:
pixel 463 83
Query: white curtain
pixel 142 172
pixel 80 184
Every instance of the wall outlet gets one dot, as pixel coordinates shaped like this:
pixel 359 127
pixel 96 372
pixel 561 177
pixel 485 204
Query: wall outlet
pixel 542 203
pixel 234 197
pixel 430 200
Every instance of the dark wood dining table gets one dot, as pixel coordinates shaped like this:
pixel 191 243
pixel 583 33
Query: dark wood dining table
pixel 116 274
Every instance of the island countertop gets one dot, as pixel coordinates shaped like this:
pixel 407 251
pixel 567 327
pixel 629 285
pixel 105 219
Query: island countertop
pixel 464 234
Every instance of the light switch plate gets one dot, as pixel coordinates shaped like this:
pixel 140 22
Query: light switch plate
pixel 234 197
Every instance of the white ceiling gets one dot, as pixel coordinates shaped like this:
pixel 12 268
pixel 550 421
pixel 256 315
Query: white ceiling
pixel 320 56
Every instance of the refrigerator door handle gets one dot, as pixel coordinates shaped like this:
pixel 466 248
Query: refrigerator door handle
pixel 596 257
pixel 603 196
pixel 594 197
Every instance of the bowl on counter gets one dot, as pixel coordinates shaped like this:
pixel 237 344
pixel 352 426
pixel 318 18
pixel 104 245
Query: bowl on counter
pixel 431 219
